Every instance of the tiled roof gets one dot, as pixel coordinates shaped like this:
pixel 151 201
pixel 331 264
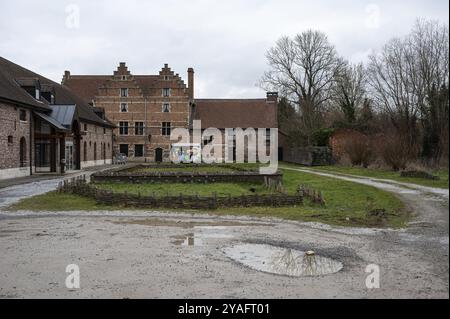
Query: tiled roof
pixel 10 89
pixel 233 113
pixel 87 86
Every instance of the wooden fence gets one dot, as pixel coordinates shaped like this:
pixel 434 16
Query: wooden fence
pixel 80 187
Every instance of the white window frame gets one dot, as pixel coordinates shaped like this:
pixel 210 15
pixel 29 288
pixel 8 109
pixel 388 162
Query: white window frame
pixel 168 107
pixel 126 107
pixel 126 92
pixel 168 90
pixel 127 126
pixel 143 128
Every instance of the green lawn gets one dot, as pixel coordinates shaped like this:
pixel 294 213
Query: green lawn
pixel 347 204
pixel 385 174
pixel 163 189
pixel 187 168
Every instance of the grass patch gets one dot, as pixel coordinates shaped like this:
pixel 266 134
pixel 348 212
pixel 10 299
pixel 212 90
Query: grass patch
pixel 187 169
pixel 347 203
pixel 385 174
pixel 163 189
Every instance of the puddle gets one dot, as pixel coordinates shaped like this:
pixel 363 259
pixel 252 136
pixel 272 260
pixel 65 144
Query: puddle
pixel 282 261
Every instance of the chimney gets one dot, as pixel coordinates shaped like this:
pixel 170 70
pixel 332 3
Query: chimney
pixel 66 76
pixel 191 82
pixel 272 97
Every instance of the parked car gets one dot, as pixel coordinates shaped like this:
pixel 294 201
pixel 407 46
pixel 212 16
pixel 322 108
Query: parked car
pixel 120 159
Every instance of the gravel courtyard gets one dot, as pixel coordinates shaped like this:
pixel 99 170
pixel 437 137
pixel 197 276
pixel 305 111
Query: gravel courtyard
pixel 131 254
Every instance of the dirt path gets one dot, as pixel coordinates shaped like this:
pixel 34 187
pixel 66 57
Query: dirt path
pixel 165 255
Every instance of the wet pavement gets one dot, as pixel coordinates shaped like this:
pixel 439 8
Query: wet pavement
pixel 153 254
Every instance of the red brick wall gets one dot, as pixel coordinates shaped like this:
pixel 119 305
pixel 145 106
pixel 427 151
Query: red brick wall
pixel 147 110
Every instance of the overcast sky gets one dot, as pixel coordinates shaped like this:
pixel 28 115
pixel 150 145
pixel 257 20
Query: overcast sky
pixel 223 40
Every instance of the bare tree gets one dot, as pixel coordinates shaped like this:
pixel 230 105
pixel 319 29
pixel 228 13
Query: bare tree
pixel 405 74
pixel 349 90
pixel 303 70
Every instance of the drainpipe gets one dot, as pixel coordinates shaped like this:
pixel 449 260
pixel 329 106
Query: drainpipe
pixel 31 143
pixel 145 130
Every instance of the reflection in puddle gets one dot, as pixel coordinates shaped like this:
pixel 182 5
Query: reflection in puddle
pixel 282 261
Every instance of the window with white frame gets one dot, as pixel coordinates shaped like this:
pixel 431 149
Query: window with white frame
pixel 139 128
pixel 124 92
pixel 123 107
pixel 123 128
pixel 166 107
pixel 166 92
pixel 166 128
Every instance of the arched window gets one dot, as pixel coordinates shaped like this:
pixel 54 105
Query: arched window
pixel 85 151
pixel 23 152
pixel 95 151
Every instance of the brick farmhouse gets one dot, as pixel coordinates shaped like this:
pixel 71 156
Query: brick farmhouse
pixel 146 108
pixel 86 120
pixel 45 127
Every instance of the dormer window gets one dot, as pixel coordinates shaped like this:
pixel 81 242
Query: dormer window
pixel 37 94
pixel 123 92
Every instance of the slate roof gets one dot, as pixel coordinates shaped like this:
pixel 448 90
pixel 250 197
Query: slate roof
pixel 11 90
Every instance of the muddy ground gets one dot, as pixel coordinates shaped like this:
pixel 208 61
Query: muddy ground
pixel 129 254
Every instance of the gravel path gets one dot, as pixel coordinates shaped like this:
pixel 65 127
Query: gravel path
pixel 140 254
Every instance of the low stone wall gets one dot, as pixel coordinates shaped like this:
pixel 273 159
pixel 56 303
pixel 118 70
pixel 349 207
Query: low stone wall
pixel 237 176
pixel 419 174
pixel 308 156
pixel 80 187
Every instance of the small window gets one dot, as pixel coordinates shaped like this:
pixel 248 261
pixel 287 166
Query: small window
pixel 124 77
pixel 123 107
pixel 123 128
pixel 10 139
pixel 166 108
pixel 166 78
pixel 23 115
pixel 166 92
pixel 139 128
pixel 123 149
pixel 138 150
pixel 165 128
pixel 123 92
pixel 104 130
pixel 85 127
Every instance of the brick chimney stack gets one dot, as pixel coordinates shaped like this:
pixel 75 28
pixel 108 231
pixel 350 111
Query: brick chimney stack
pixel 191 82
pixel 272 97
pixel 66 76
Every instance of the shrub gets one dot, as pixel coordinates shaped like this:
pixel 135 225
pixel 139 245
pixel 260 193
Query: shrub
pixel 321 137
pixel 397 151
pixel 359 150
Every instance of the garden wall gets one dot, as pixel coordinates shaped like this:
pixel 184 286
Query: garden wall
pixel 309 156
pixel 80 187
pixel 126 176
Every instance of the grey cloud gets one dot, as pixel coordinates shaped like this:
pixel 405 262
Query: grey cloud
pixel 225 41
